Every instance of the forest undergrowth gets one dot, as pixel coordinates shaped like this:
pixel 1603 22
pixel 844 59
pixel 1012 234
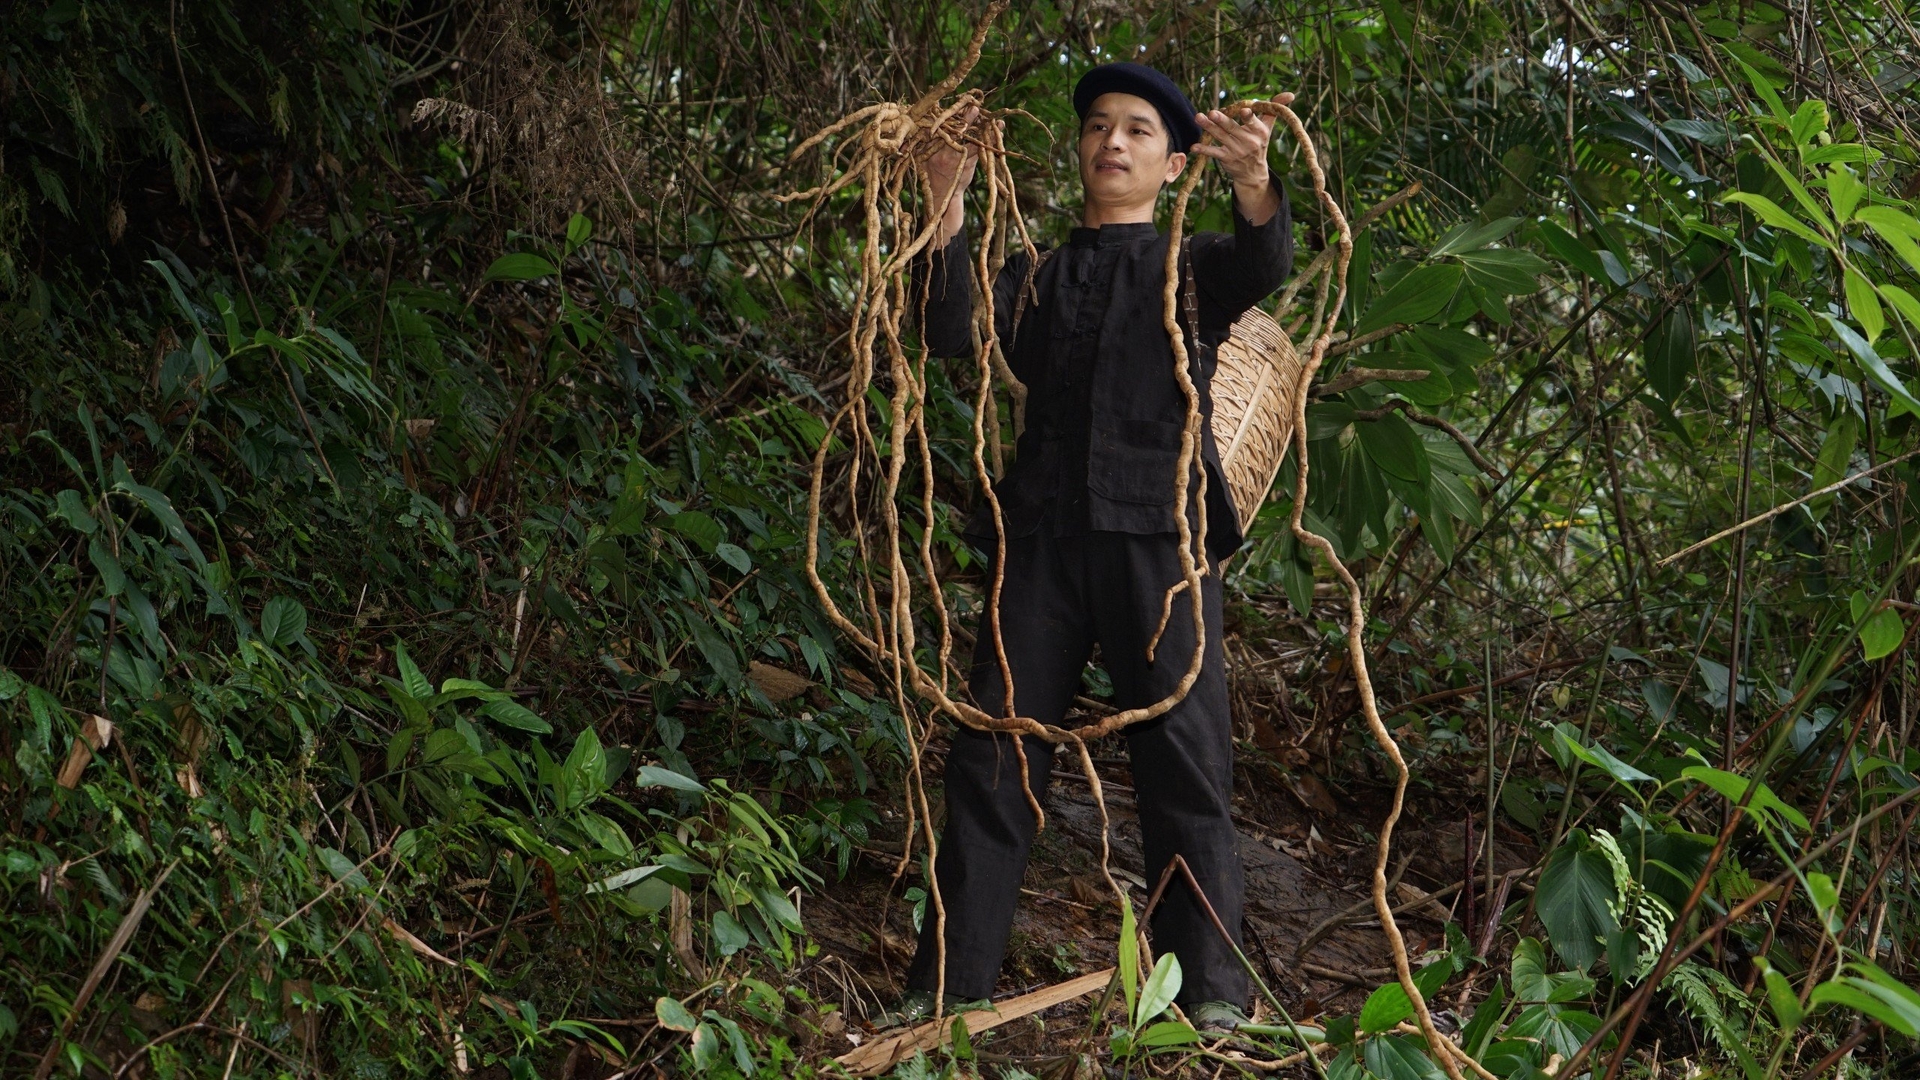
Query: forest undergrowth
pixel 408 662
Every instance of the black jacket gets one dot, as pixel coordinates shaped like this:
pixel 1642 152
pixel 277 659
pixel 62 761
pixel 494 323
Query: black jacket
pixel 1104 411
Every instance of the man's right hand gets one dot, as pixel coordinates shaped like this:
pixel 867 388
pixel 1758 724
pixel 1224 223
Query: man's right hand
pixel 948 172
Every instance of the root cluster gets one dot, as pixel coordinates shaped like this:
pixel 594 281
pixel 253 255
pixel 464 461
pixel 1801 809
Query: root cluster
pixel 881 152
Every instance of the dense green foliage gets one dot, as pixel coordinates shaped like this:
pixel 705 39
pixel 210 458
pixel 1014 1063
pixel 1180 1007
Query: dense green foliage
pixel 402 448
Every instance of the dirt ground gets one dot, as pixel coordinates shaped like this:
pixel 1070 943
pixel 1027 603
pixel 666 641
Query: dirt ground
pixel 1304 867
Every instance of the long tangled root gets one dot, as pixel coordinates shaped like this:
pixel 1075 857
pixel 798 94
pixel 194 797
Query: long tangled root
pixel 887 145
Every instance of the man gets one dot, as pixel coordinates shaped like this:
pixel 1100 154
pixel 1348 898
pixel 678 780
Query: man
pixel 1090 543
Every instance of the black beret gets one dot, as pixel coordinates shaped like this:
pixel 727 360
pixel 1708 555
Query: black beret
pixel 1176 112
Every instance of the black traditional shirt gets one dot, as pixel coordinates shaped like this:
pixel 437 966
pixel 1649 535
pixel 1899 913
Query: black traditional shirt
pixel 1104 411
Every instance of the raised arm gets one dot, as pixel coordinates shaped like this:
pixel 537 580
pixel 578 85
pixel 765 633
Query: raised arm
pixel 1235 272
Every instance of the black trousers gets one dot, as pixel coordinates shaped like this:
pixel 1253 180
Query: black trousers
pixel 1063 595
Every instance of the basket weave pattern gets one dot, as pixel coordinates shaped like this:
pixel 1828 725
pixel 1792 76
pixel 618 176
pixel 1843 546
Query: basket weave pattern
pixel 1254 380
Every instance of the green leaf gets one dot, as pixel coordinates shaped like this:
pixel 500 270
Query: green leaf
pixel 1129 955
pixel 1773 214
pixel 1899 231
pixel 1670 353
pixel 1873 1000
pixel 729 934
pixel 1575 901
pixel 1836 458
pixel 1844 191
pixel 514 715
pixel 1904 303
pixel 1470 237
pixel 1572 251
pixel 706 1048
pixel 343 869
pixel 519 266
pixel 1504 271
pixel 1392 444
pixel 1732 786
pixel 1162 987
pixel 1881 634
pixel 411 680
pixel 1479 1030
pixel 1422 294
pixel 1597 756
pixel 584 774
pixel 1399 1057
pixel 1167 1033
pixel 1871 363
pixel 655 776
pixel 735 556
pixel 1763 87
pixel 283 620
pixel 68 505
pixel 1864 304
pixel 1780 995
pixel 113 579
pixel 579 231
pixel 1809 120
pixel 700 528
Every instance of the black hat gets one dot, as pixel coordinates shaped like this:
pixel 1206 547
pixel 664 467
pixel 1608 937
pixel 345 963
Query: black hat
pixel 1176 112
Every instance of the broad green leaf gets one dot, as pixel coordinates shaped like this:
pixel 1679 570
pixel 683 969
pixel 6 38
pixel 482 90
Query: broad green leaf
pixel 1572 251
pixel 343 869
pixel 621 880
pixel 1422 294
pixel 1161 988
pixel 1399 1057
pixel 1479 1030
pixel 579 231
pixel 1597 756
pixel 519 266
pixel 700 528
pixel 735 556
pixel 584 774
pixel 1389 1003
pixel 1504 271
pixel 655 776
pixel 1167 1033
pixel 1392 444
pixel 1575 901
pixel 1771 213
pixel 1808 121
pixel 1881 634
pixel 514 715
pixel 706 1045
pixel 1129 955
pixel 1903 302
pixel 672 1015
pixel 1808 204
pixel 1871 1000
pixel 1836 458
pixel 68 505
pixel 1864 304
pixel 411 679
pixel 1670 354
pixel 283 620
pixel 1844 191
pixel 1763 87
pixel 719 655
pixel 113 579
pixel 1470 237
pixel 729 934
pixel 1897 230
pixel 1780 995
pixel 1871 363
pixel 1732 786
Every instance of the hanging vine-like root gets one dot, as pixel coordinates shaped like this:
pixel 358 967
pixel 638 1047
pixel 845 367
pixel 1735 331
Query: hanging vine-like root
pixel 1443 1049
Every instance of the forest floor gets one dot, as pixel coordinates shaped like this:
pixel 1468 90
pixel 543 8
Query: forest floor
pixel 1306 868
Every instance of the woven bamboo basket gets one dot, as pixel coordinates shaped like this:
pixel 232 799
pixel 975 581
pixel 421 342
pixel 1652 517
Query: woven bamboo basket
pixel 1254 381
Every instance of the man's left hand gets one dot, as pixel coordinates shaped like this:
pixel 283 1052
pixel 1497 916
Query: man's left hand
pixel 1241 150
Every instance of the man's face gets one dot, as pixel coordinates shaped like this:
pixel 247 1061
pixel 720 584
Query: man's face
pixel 1124 156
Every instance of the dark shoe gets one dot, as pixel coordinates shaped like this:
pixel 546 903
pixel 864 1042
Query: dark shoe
pixel 915 1006
pixel 1219 1017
